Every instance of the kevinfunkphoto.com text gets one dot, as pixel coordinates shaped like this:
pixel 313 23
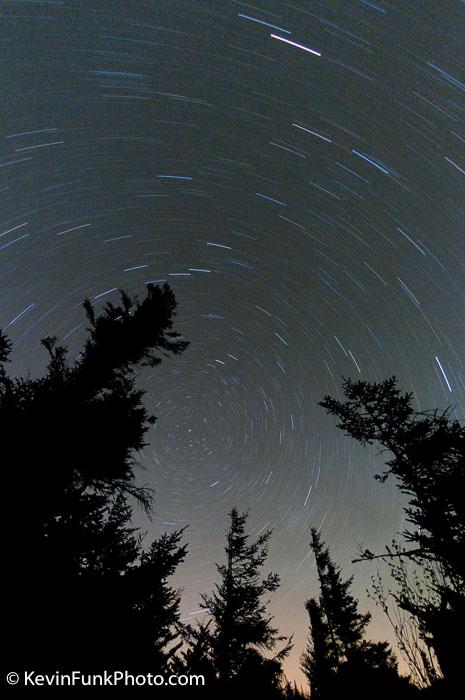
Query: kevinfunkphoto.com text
pixel 106 678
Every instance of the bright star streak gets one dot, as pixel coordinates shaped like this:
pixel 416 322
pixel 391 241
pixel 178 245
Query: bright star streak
pixel 443 373
pixel 294 43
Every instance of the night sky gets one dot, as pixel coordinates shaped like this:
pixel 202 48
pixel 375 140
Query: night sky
pixel 295 171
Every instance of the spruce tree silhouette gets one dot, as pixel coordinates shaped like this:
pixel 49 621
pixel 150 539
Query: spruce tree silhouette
pixel 339 660
pixel 196 657
pixel 241 628
pixel 316 661
pixel 345 624
pixel 78 577
pixel 155 627
pixel 428 463
pixel 291 692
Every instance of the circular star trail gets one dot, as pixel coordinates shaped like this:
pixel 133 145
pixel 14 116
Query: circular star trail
pixel 295 171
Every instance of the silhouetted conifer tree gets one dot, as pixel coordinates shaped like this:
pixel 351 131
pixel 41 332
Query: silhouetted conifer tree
pixel 155 605
pixel 68 445
pixel 345 624
pixel 117 608
pixel 339 660
pixel 241 627
pixel 428 463
pixel 291 692
pixel 196 656
pixel 317 662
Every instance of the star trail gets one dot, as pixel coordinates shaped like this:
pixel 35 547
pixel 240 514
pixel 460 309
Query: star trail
pixel 295 171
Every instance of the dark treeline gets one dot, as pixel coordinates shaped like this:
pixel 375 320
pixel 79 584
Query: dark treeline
pixel 82 589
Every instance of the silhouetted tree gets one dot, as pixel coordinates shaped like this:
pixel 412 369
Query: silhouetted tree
pixel 155 605
pixel 5 348
pixel 117 609
pixel 317 662
pixel 339 659
pixel 346 625
pixel 68 449
pixel 242 629
pixel 421 661
pixel 196 655
pixel 428 463
pixel 291 692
